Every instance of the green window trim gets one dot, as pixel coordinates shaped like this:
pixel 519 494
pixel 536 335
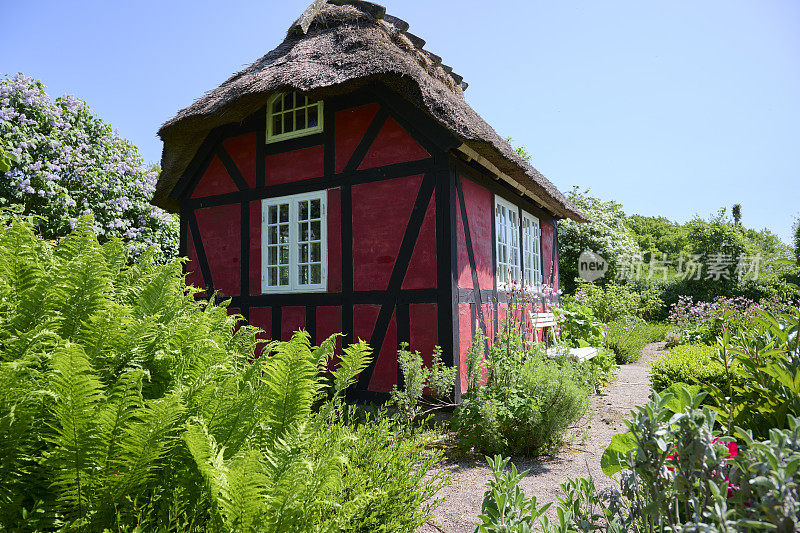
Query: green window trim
pixel 286 110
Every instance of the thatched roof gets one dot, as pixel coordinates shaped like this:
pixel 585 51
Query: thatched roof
pixel 349 45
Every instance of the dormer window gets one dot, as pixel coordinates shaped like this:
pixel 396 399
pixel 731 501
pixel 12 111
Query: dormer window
pixel 293 115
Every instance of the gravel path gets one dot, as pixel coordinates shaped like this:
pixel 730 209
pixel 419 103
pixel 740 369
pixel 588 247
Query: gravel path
pixel 459 512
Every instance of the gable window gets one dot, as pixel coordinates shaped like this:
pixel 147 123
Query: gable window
pixel 294 253
pixel 292 115
pixel 531 249
pixel 507 226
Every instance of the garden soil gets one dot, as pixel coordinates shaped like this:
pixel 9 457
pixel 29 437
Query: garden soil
pixel 463 498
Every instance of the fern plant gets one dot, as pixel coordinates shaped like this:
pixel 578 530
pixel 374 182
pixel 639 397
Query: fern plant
pixel 126 403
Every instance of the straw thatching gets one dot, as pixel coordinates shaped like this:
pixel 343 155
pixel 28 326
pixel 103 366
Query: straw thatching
pixel 349 44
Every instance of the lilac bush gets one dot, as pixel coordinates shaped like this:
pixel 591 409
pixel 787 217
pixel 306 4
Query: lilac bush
pixel 63 162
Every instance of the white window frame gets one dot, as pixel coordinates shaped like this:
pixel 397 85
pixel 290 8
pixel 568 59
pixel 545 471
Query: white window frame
pixel 531 250
pixel 294 284
pixel 295 133
pixel 507 240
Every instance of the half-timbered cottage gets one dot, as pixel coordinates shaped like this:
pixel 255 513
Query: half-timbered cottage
pixel 341 183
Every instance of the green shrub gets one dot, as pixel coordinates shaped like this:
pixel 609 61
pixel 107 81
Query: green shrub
pixel 438 378
pixel 126 404
pixel 627 338
pixel 691 364
pixel 612 302
pixel 767 355
pixel 527 412
pixel 674 471
pixel 578 325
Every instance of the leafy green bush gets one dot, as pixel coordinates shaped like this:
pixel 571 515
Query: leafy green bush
pixel 691 364
pixel 578 325
pixel 526 408
pixel 627 338
pixel 128 405
pixel 439 379
pixel 62 162
pixel 677 472
pixel 767 356
pixel 614 302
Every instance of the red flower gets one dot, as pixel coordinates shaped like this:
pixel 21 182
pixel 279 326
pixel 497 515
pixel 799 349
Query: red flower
pixel 733 448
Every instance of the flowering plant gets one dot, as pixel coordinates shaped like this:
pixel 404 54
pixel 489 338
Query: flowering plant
pixel 59 161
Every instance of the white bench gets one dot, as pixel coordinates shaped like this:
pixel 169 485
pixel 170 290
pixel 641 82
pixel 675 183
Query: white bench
pixel 547 321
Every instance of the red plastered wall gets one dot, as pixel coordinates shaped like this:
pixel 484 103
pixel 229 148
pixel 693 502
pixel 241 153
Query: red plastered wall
pixel 392 145
pixel 380 215
pixel 296 165
pixel 478 203
pixel 385 373
pixel 255 247
pixel 334 240
pixel 193 274
pixel 351 125
pixel 292 319
pixel 424 321
pixel 242 150
pixel 220 229
pixel 548 264
pixel 215 181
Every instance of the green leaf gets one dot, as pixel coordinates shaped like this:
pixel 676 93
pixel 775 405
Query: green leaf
pixel 612 460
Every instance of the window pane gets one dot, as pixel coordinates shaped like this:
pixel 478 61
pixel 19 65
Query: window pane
pixel 284 212
pixel 304 253
pixel 316 274
pixel 273 276
pixel 273 214
pixel 277 104
pixel 284 233
pixel 300 119
pixel 284 255
pixel 316 232
pixel 284 274
pixel 316 252
pixel 315 208
pixel 302 274
pixel 287 122
pixel 304 232
pixel 277 125
pixel 288 101
pixel 273 235
pixel 272 258
pixel 303 210
pixel 312 117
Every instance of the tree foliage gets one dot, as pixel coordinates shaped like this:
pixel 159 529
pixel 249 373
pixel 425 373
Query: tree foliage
pixel 59 161
pixel 607 234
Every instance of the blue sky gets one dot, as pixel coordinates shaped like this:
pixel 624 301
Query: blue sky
pixel 672 108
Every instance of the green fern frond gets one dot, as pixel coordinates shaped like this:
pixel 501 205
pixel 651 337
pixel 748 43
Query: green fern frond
pixel 78 396
pixel 210 463
pixel 354 360
pixel 79 289
pixel 21 265
pixel 324 353
pixel 291 380
pixel 142 445
pixel 123 406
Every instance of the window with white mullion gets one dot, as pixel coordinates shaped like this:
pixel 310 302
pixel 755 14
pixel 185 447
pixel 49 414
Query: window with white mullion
pixel 309 242
pixel 278 246
pixel 508 249
pixel 531 249
pixel 294 247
